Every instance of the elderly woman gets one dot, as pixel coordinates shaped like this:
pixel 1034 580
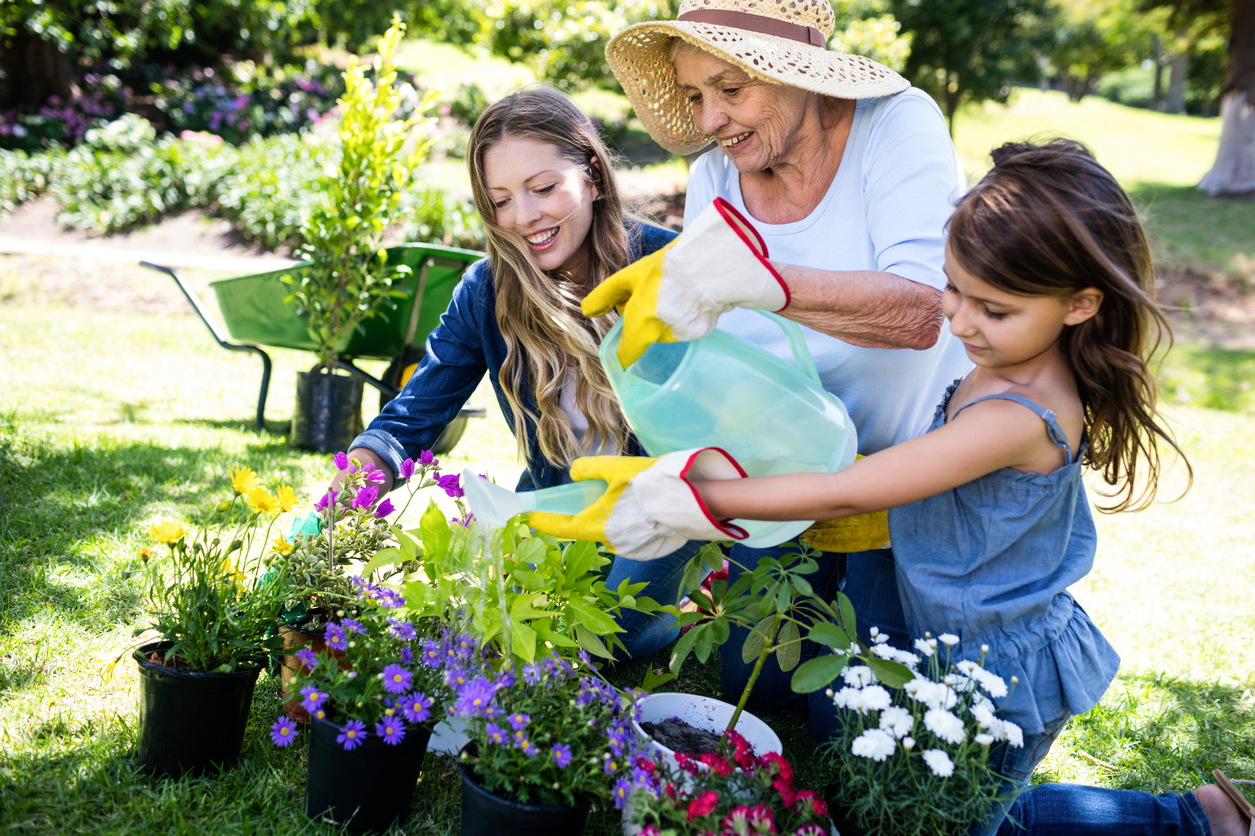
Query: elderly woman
pixel 848 175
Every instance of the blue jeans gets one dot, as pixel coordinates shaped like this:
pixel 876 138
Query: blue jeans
pixel 644 635
pixel 867 578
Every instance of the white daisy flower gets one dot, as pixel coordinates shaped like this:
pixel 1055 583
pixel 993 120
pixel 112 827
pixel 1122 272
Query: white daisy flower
pixel 858 676
pixel 897 721
pixel 948 639
pixel 1014 734
pixel 875 698
pixel 984 739
pixel 931 694
pixel 939 762
pixel 945 725
pixel 924 646
pixel 875 744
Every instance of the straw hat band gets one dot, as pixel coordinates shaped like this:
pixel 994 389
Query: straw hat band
pixel 756 23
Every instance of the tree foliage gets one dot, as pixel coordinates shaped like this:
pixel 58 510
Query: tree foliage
pixel 1088 39
pixel 969 50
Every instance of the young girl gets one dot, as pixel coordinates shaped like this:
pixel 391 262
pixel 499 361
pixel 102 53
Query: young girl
pixel 546 192
pixel 1049 277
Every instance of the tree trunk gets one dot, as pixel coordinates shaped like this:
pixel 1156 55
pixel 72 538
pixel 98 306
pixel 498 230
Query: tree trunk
pixel 1178 69
pixel 34 69
pixel 1234 169
pixel 1156 98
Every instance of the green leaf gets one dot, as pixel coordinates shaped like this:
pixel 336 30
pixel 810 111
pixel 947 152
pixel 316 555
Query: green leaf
pixel 531 551
pixel 579 558
pixel 524 640
pixel 682 649
pixel 383 557
pixel 594 619
pixel 789 652
pixel 653 680
pixel 849 622
pixel 705 642
pixel 893 674
pixel 817 673
pixel 829 635
pixel 757 640
pixel 591 642
pixel 435 532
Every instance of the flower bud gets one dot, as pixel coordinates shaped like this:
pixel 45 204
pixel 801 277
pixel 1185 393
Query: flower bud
pixel 984 648
pixel 908 743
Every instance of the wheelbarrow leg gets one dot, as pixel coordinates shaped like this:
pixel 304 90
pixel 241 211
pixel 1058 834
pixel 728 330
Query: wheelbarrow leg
pixel 221 339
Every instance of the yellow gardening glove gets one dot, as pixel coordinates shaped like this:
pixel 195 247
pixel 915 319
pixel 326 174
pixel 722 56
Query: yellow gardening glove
pixel 650 508
pixel 718 263
pixel 849 534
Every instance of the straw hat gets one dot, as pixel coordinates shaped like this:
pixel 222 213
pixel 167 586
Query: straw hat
pixel 778 41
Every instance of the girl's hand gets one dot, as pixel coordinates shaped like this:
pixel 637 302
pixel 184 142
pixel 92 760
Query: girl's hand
pixel 651 507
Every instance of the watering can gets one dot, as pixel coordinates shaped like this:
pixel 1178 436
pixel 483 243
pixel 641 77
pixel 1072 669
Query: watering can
pixel 718 391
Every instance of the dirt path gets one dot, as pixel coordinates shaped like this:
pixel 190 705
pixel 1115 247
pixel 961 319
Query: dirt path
pixel 41 263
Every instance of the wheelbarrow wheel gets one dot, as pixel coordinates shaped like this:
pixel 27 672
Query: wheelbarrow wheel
pixel 398 373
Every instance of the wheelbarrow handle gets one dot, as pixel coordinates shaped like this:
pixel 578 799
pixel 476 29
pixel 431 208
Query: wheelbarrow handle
pixel 220 337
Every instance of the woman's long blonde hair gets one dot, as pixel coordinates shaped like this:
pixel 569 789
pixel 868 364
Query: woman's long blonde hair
pixel 547 337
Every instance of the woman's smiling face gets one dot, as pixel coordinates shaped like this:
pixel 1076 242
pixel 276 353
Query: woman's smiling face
pixel 544 197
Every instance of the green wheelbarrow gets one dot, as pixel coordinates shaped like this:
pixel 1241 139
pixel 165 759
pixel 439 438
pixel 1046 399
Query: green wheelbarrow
pixel 256 315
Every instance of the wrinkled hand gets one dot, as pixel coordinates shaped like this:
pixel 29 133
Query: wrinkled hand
pixel 718 263
pixel 650 508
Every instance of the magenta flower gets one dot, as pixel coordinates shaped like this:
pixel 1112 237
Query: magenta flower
pixel 407 469
pixel 426 459
pixel 341 460
pixel 351 735
pixel 365 498
pixel 391 729
pixel 329 498
pixel 373 475
pixel 283 732
pixel 396 679
pixel 451 484
pixel 385 508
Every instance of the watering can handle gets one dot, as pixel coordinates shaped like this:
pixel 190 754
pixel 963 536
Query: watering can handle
pixel 801 354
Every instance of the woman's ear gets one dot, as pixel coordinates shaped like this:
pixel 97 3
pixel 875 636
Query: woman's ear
pixel 595 178
pixel 1084 305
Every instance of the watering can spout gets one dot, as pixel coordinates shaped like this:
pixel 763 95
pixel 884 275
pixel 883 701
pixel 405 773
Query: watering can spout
pixel 493 505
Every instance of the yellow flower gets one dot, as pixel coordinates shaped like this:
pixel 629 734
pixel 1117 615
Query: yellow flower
pixel 231 573
pixel 168 532
pixel 243 480
pixel 262 501
pixel 287 498
pixel 146 553
pixel 281 545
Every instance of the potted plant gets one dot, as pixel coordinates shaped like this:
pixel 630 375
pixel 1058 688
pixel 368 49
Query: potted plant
pixel 774 602
pixel 372 695
pixel 737 792
pixel 546 742
pixel 914 760
pixel 213 605
pixel 330 547
pixel 349 275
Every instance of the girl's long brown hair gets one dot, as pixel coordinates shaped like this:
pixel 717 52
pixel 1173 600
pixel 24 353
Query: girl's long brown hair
pixel 547 338
pixel 1049 220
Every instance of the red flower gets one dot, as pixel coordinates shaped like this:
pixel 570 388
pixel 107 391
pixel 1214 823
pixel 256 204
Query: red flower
pixel 811 829
pixel 817 804
pixel 761 820
pixel 702 805
pixel 685 762
pixel 774 759
pixel 718 763
pixel 646 764
pixel 744 752
pixel 785 788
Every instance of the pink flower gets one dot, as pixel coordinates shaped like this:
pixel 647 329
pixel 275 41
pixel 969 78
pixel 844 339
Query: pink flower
pixel 702 805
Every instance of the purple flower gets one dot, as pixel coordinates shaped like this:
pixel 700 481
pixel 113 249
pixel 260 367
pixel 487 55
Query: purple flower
pixel 352 735
pixel 618 741
pixel 426 459
pixel 365 498
pixel 611 767
pixel 407 655
pixel 353 626
pixel 526 746
pixel 561 754
pixel 416 707
pixel 283 732
pixel 433 653
pixel 341 460
pixel 313 698
pixel 496 735
pixel 390 598
pixel 622 789
pixel 475 696
pixel 373 475
pixel 396 679
pixel 334 634
pixel 451 484
pixel 306 657
pixel 402 629
pixel 533 673
pixel 385 508
pixel 407 469
pixel 391 729
pixel 518 720
pixel 240 103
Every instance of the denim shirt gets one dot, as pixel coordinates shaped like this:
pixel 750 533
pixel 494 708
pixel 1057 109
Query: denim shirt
pixel 460 350
pixel 991 562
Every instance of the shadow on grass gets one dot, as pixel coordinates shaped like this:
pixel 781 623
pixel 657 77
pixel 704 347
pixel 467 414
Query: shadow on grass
pixel 1165 734
pixel 70 510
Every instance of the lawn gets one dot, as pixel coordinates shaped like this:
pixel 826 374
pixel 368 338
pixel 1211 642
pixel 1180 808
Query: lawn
pixel 112 420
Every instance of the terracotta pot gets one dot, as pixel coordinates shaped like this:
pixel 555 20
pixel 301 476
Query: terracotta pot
pixel 293 640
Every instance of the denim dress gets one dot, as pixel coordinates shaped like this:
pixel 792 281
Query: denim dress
pixel 991 561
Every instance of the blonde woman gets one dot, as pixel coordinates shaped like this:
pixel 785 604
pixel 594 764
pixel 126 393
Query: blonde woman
pixel 556 228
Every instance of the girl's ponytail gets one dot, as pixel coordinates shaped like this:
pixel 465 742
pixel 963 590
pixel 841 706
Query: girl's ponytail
pixel 1049 220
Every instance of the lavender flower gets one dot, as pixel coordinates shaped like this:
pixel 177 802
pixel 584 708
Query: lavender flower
pixel 533 673
pixel 351 735
pixel 622 789
pixel 407 655
pixel 283 732
pixel 561 754
pixel 518 720
pixel 475 696
pixel 391 729
pixel 396 679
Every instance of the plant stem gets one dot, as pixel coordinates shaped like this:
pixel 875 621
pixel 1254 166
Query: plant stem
pixel 768 649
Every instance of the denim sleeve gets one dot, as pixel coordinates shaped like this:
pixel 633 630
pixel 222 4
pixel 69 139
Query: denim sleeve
pixel 448 374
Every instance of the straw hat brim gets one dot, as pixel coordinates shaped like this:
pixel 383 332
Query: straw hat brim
pixel 638 59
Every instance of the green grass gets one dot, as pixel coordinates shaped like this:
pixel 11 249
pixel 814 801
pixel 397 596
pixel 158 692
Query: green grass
pixel 109 421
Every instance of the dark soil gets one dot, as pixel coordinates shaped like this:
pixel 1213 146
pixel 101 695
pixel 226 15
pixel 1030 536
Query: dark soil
pixel 679 736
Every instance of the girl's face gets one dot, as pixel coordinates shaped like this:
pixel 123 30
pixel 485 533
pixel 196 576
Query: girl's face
pixel 545 198
pixel 755 123
pixel 1001 329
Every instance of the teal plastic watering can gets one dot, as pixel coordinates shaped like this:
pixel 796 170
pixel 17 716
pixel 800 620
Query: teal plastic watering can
pixel 717 391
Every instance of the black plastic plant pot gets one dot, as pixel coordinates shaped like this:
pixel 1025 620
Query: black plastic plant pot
pixel 843 825
pixel 190 721
pixel 327 416
pixel 367 788
pixel 487 814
